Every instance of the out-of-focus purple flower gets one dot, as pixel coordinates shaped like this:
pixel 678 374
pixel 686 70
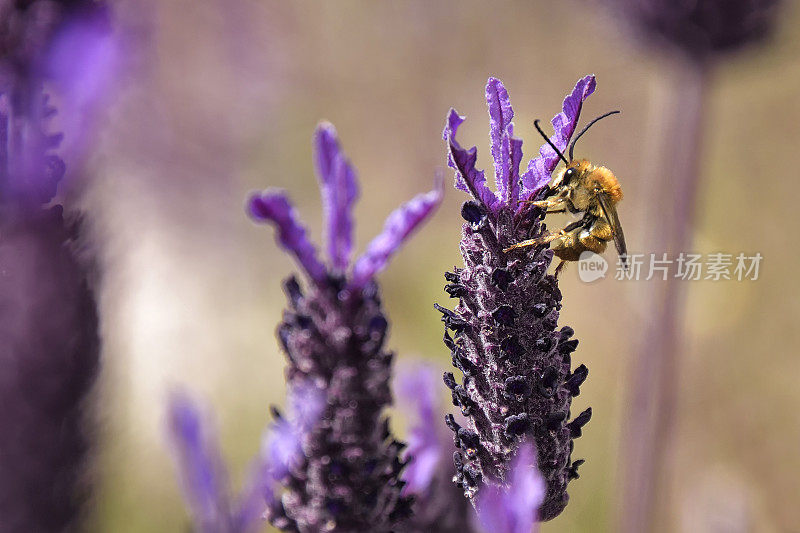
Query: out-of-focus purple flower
pixel 205 481
pixel 49 342
pixel 439 505
pixel 701 28
pixel 49 349
pixel 518 384
pixel 513 509
pixel 348 478
pixel 82 64
pixel 417 390
pixel 69 44
pixel 203 474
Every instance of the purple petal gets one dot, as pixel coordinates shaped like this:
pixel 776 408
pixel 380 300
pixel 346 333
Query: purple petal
pixel 398 227
pixel 516 159
pixel 283 447
pixel 541 168
pixel 84 60
pixel 305 404
pixel 259 492
pixel 274 207
pixel 500 131
pixel 200 464
pixel 417 388
pixel 339 191
pixel 513 509
pixel 467 177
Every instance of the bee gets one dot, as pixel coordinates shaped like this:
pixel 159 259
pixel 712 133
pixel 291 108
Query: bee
pixel 581 188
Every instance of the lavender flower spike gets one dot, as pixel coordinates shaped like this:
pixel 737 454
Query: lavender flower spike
pixel 518 384
pixel 49 336
pixel 348 477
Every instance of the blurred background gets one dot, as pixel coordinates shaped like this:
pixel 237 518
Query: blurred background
pixel 219 98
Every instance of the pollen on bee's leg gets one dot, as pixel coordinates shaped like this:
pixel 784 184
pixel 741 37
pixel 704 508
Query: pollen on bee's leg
pixel 544 239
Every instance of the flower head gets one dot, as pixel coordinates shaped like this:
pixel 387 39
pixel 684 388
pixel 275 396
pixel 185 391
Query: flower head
pixel 702 28
pixel 518 384
pixel 348 478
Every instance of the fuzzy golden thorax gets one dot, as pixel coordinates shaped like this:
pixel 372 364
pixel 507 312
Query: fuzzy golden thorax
pixel 580 182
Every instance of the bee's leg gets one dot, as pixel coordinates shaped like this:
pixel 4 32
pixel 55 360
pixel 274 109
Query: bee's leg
pixel 544 239
pixel 594 241
pixel 547 204
pixel 559 268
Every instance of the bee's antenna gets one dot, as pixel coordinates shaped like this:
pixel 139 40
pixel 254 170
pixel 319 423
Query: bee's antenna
pixel 546 138
pixel 572 144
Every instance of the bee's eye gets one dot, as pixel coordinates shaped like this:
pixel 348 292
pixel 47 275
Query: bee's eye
pixel 569 174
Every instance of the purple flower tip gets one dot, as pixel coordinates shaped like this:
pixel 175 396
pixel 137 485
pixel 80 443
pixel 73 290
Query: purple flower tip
pixel 339 192
pixel 275 207
pixel 417 387
pixel 507 150
pixel 398 227
pixel 339 189
pixel 541 168
pixel 513 508
pixel 203 476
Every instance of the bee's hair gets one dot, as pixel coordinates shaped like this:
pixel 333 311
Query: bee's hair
pixel 589 125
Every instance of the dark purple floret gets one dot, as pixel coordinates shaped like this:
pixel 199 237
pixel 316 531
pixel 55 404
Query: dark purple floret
pixel 516 364
pixel 333 335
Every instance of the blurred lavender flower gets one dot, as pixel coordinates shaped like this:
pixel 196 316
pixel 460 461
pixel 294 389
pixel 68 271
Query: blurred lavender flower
pixel 203 474
pixel 702 28
pixel 513 509
pixel 49 348
pixel 333 336
pixel 517 381
pixel 48 317
pixel 439 505
pixel 205 481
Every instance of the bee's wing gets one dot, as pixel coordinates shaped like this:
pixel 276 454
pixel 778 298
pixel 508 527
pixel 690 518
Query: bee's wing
pixel 610 213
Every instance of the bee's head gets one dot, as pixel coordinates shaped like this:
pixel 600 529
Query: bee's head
pixel 571 173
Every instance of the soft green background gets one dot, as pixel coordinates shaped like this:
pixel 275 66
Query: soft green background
pixel 221 97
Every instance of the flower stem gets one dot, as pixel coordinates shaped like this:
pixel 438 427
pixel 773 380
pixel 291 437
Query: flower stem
pixel 674 176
